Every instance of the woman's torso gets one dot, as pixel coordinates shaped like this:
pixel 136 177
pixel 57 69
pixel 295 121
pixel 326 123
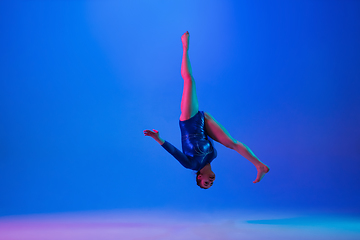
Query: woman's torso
pixel 195 143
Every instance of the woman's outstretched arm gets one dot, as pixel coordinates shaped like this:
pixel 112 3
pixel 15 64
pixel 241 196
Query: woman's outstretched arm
pixel 176 153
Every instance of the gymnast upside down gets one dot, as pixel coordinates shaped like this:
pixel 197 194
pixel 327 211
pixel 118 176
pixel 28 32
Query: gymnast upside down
pixel 196 128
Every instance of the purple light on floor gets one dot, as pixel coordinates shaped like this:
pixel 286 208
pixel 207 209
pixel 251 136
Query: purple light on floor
pixel 170 225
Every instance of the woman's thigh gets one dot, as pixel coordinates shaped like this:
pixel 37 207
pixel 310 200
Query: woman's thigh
pixel 217 132
pixel 189 101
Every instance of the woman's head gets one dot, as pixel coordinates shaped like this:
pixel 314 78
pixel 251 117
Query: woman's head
pixel 205 180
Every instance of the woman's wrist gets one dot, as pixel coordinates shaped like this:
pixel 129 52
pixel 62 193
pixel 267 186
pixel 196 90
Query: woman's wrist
pixel 160 141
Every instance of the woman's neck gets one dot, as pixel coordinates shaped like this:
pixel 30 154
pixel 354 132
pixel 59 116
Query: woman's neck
pixel 206 169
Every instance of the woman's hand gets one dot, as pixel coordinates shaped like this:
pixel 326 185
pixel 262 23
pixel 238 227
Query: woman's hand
pixel 155 135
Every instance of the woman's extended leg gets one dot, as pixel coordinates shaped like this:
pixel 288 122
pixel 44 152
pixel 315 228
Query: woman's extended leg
pixel 217 132
pixel 189 101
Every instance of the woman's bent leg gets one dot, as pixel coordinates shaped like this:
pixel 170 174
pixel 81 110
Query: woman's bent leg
pixel 189 101
pixel 217 132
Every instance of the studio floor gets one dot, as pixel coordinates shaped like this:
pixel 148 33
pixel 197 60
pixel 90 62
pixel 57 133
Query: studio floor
pixel 176 225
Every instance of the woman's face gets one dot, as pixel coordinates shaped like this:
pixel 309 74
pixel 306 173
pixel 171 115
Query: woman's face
pixel 206 180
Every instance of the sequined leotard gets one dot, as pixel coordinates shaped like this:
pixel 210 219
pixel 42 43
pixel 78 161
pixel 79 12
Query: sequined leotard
pixel 197 147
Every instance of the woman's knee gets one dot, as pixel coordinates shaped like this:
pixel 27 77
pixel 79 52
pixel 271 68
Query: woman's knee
pixel 231 143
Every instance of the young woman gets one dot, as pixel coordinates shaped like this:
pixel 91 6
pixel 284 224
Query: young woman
pixel 196 126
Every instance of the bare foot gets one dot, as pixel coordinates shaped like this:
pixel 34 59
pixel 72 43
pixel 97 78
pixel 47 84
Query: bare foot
pixel 185 40
pixel 262 169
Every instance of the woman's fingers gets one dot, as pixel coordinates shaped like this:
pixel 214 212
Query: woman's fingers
pixel 147 132
pixel 150 133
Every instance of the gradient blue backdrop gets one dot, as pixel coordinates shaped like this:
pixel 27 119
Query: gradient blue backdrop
pixel 81 80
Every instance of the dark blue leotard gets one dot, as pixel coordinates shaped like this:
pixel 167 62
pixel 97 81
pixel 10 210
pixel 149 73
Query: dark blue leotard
pixel 197 147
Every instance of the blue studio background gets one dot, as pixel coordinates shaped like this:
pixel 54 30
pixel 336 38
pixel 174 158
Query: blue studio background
pixel 81 80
